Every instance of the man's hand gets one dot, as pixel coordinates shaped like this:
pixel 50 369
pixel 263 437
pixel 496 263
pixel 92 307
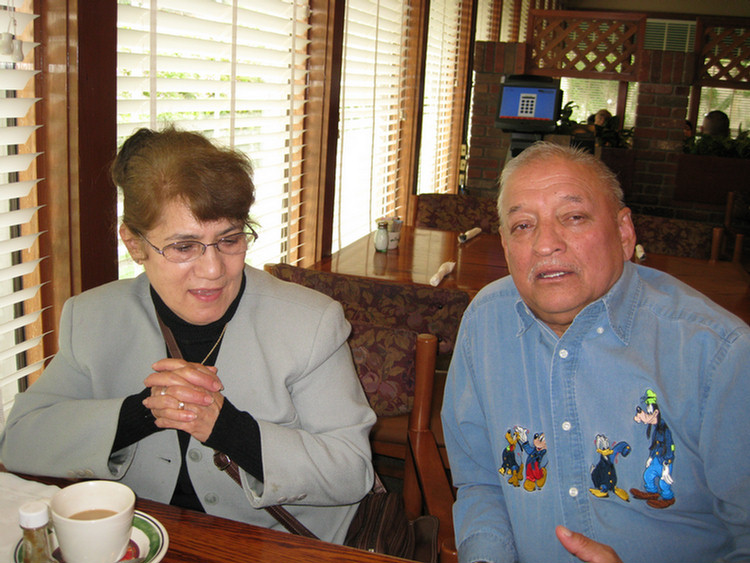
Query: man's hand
pixel 585 548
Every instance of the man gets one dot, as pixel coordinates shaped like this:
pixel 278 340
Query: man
pixel 569 347
pixel 716 124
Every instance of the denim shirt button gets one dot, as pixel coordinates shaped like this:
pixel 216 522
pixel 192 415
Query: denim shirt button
pixel 563 353
pixel 573 491
pixel 566 426
pixel 600 330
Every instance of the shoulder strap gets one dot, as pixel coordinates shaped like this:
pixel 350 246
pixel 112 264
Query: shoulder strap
pixel 222 461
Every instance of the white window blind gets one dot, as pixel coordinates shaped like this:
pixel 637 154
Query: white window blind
pixel 591 95
pixel 488 19
pixel 234 70
pixel 735 103
pixel 20 308
pixel 367 155
pixel 437 159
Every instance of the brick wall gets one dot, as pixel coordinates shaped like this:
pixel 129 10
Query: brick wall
pixel 664 86
pixel 489 145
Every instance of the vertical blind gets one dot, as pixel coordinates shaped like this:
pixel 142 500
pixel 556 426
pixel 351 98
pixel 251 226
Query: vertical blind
pixel 368 144
pixel 20 307
pixel 234 70
pixel 438 159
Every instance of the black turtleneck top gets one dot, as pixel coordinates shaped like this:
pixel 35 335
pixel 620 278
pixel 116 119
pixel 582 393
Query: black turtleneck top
pixel 235 433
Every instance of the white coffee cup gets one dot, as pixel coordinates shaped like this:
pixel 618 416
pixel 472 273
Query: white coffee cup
pixel 93 521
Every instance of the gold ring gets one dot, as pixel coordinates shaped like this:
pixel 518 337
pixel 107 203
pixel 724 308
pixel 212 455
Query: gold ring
pixel 163 391
pixel 181 405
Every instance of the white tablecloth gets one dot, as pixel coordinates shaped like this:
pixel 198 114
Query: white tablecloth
pixel 14 492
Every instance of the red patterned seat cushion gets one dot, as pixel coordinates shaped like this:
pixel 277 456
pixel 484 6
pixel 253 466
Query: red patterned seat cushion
pixel 385 362
pixel 674 237
pixel 423 309
pixel 457 212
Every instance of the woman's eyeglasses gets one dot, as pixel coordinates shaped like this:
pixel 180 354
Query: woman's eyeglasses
pixel 189 250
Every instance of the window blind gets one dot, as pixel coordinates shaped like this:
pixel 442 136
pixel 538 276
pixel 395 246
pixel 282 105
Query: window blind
pixel 488 20
pixel 235 71
pixel 20 307
pixel 367 154
pixel 440 123
pixel 735 103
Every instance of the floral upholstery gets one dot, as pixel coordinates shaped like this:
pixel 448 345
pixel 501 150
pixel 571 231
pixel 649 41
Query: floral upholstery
pixel 457 212
pixel 675 237
pixel 385 361
pixel 423 309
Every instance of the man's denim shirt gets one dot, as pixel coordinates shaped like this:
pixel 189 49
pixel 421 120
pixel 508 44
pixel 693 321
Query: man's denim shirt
pixel 577 416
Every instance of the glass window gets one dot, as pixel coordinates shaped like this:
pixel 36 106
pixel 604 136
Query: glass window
pixel 235 72
pixel 735 103
pixel 369 118
pixel 20 305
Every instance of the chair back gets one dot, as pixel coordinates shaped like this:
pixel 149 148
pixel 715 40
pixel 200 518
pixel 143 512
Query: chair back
pixel 423 309
pixel 457 212
pixel 427 487
pixel 736 224
pixel 386 362
pixel 676 237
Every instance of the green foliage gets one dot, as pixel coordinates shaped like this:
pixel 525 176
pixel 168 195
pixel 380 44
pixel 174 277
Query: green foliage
pixel 610 135
pixel 567 125
pixel 739 147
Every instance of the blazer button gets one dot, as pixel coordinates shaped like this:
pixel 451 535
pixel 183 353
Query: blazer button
pixel 195 455
pixel 211 498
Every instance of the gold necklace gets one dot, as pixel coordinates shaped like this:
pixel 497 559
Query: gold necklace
pixel 223 330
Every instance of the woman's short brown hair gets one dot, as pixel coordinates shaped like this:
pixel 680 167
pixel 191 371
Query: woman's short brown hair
pixel 157 167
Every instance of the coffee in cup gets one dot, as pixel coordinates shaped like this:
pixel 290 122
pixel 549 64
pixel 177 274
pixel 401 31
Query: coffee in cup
pixel 93 521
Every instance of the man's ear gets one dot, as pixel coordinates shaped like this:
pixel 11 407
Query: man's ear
pixel 627 232
pixel 133 243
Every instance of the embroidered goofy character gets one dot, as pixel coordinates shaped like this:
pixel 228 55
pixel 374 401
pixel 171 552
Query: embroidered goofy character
pixel 657 478
pixel 536 459
pixel 603 473
pixel 512 458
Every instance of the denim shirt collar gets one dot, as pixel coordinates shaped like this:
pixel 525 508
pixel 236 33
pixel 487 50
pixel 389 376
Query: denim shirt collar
pixel 619 305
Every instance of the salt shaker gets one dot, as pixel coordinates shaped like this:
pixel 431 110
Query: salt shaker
pixel 381 237
pixel 33 518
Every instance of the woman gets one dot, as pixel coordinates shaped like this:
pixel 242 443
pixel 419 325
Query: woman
pixel 267 376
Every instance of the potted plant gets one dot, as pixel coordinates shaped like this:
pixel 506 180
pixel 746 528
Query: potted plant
pixel 710 167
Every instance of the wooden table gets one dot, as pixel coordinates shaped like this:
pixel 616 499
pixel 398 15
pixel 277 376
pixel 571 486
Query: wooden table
pixel 481 261
pixel 200 538
pixel 419 255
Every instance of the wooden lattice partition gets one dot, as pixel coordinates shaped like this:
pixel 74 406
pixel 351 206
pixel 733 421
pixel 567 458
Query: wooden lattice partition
pixel 585 44
pixel 724 53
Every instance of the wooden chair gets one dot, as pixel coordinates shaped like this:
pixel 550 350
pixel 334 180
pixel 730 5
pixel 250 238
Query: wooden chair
pixel 422 308
pixel 457 212
pixel 677 237
pixel 427 488
pixel 370 305
pixel 736 223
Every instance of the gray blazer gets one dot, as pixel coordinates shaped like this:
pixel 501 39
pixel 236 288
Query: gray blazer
pixel 284 359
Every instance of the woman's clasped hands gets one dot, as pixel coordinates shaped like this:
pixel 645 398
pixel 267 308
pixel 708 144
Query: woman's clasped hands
pixel 185 396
